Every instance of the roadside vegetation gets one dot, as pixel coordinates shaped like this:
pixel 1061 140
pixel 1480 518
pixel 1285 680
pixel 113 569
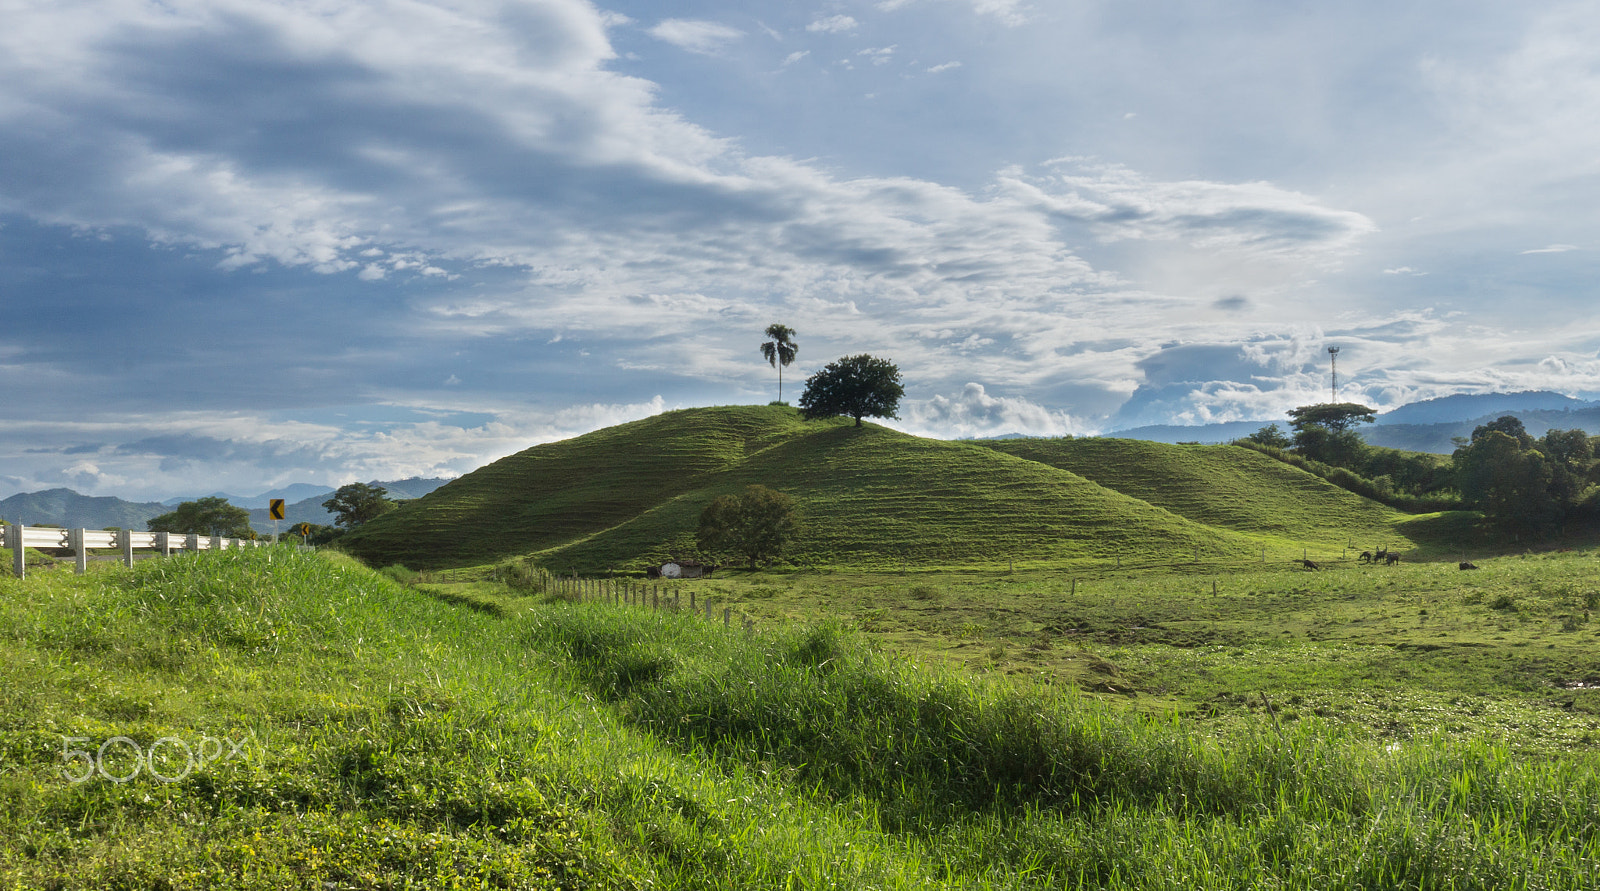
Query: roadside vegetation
pixel 379 734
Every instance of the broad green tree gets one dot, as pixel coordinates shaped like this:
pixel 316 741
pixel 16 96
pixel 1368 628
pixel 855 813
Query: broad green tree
pixel 780 350
pixel 1323 432
pixel 205 516
pixel 857 386
pixel 356 503
pixel 1571 455
pixel 757 525
pixel 1510 425
pixel 1509 483
pixel 1270 435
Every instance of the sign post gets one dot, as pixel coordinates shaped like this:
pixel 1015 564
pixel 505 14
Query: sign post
pixel 275 510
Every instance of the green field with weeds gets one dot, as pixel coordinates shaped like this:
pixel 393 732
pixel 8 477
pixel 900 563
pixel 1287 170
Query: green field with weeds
pixel 1393 727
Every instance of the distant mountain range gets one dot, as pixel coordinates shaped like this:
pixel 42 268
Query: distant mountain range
pixel 64 507
pixel 1426 426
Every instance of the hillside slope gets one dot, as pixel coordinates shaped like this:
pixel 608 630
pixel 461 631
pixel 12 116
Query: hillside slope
pixel 1222 486
pixel 557 493
pixel 869 496
pixel 876 497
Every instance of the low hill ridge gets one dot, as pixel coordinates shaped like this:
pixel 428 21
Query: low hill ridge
pixel 870 496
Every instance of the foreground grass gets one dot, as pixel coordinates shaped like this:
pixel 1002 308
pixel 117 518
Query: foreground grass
pixel 379 737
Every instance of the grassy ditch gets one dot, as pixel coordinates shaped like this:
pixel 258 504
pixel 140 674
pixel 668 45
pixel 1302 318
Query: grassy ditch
pixel 275 719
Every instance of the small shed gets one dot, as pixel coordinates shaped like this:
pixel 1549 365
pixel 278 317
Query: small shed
pixel 680 569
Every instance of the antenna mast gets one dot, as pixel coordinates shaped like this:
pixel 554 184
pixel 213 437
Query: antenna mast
pixel 1333 361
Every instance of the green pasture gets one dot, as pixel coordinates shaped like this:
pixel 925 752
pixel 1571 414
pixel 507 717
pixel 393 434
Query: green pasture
pixel 871 730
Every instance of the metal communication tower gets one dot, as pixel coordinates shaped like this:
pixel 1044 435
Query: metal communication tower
pixel 1333 361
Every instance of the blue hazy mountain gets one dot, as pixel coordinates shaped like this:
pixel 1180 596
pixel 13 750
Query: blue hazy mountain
pixel 64 507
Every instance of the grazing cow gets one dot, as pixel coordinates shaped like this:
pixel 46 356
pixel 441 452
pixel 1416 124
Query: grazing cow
pixel 1307 564
pixel 1466 565
pixel 1366 557
pixel 1391 559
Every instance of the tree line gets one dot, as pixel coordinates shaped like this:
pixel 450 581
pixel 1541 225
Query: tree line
pixel 1517 481
pixel 351 505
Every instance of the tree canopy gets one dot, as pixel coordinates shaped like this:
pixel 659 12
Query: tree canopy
pixel 1510 483
pixel 1270 435
pixel 856 386
pixel 1522 482
pixel 1322 432
pixel 780 350
pixel 756 524
pixel 205 516
pixel 356 503
pixel 1336 417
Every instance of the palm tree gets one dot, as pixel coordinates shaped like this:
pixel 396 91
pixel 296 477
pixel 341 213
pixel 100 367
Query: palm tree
pixel 779 351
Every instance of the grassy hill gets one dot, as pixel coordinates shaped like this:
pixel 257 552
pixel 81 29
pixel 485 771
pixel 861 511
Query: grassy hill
pixel 869 497
pixel 1218 485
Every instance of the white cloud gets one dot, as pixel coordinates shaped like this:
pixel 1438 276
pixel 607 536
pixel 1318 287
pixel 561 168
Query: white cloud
pixel 835 24
pixel 165 457
pixel 973 413
pixel 878 55
pixel 1009 12
pixel 516 196
pixel 794 57
pixel 1553 249
pixel 696 36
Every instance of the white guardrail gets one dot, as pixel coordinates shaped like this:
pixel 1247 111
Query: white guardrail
pixel 82 541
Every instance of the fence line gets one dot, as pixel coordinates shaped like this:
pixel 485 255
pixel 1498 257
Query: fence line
pixel 18 538
pixel 627 592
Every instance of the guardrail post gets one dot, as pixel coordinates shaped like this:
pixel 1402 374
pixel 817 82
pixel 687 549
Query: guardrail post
pixel 216 543
pixel 19 559
pixel 127 546
pixel 81 550
pixel 191 542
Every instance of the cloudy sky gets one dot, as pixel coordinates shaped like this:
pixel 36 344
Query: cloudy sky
pixel 247 243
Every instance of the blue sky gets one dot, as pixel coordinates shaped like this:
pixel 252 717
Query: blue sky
pixel 244 244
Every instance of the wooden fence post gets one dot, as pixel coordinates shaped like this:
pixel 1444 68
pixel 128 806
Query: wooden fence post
pixel 727 616
pixel 19 560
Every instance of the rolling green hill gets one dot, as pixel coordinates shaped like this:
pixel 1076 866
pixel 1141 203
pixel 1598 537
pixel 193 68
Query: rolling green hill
pixel 868 496
pixel 1219 485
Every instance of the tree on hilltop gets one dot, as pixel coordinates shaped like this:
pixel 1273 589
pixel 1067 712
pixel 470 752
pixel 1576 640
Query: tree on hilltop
pixel 779 351
pixel 205 516
pixel 356 503
pixel 1323 432
pixel 857 386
